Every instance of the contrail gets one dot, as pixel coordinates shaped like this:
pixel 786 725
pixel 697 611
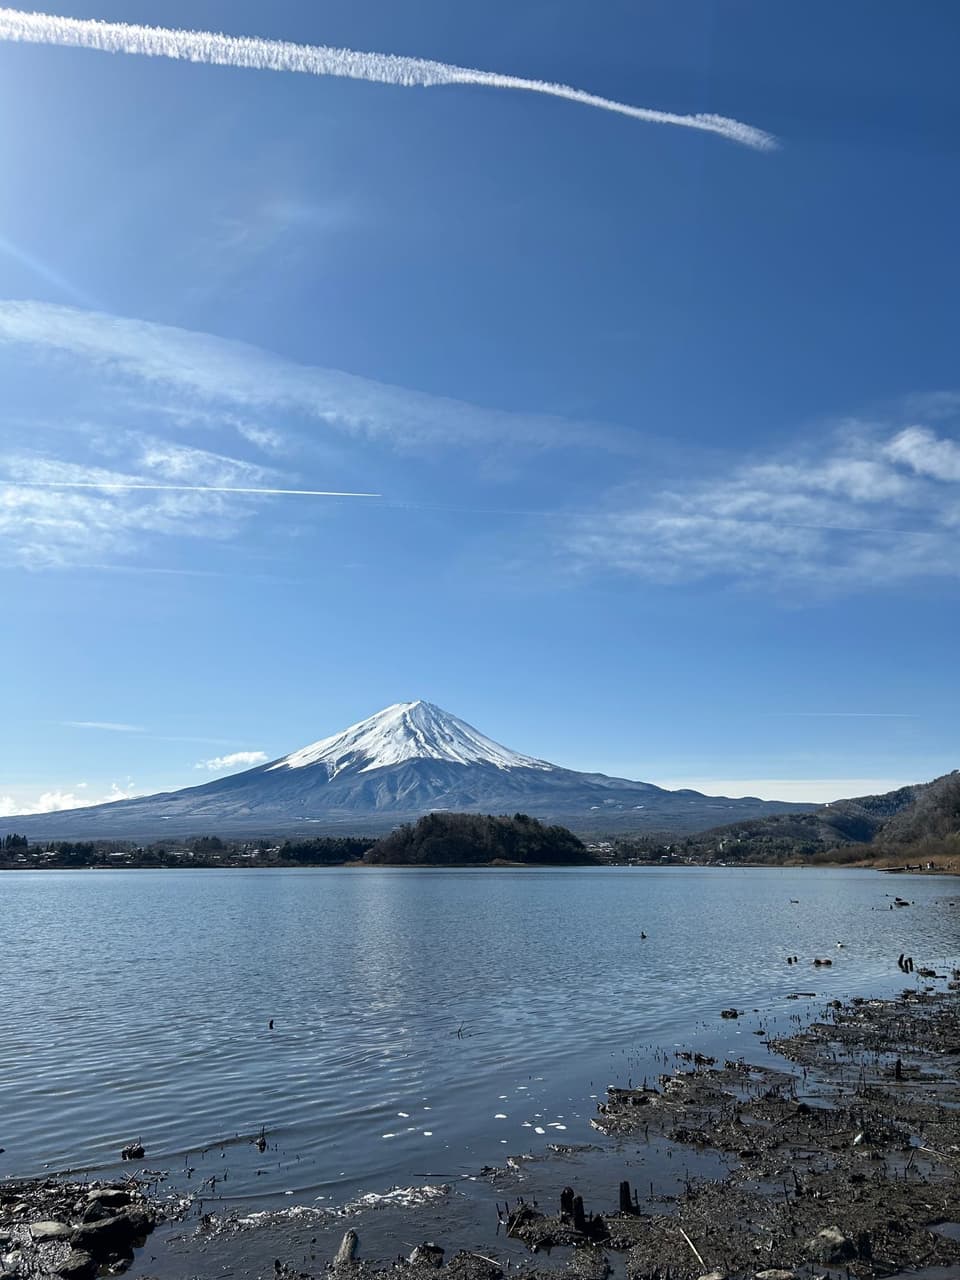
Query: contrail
pixel 182 488
pixel 848 715
pixel 322 60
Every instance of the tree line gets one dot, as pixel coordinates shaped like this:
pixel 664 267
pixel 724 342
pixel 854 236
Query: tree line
pixel 464 839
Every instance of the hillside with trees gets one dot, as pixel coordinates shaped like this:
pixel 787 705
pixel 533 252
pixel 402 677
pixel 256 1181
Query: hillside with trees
pixel 470 839
pixel 915 825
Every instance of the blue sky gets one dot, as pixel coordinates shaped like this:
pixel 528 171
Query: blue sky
pixel 665 426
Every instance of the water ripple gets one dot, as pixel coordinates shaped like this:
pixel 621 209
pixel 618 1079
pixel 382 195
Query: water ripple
pixel 138 1003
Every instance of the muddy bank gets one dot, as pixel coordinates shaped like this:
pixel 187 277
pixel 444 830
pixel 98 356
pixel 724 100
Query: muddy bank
pixel 852 1161
pixel 850 1165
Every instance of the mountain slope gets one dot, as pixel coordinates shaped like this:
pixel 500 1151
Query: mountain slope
pixel 407 760
pixel 923 819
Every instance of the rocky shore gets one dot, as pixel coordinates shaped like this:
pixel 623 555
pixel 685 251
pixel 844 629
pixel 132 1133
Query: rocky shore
pixel 836 1155
pixel 50 1227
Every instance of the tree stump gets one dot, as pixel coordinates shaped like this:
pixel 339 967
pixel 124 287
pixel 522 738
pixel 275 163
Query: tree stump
pixel 566 1204
pixel 579 1217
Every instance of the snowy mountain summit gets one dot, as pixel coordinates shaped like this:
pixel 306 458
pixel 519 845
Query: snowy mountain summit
pixel 406 731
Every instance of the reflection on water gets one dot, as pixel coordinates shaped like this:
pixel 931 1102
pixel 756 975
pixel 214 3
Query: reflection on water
pixel 423 1021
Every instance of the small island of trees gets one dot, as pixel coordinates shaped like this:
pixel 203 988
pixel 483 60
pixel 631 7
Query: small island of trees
pixel 473 839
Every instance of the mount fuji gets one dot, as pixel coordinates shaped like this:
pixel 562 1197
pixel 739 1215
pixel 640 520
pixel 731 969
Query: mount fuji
pixel 409 759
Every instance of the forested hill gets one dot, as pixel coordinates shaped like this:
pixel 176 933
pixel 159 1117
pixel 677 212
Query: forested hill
pixel 914 824
pixel 469 839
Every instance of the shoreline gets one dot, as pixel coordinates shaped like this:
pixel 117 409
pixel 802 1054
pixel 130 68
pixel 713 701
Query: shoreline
pixel 797 1156
pixel 836 1147
pixel 503 865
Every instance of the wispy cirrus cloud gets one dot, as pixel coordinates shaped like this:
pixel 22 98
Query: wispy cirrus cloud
pixel 866 509
pixel 267 439
pixel 235 760
pixel 271 220
pixel 47 523
pixel 54 512
pixel 235 376
pixel 98 493
pixel 319 60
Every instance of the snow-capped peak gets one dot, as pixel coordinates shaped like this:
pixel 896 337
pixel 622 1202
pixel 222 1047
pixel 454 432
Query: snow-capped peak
pixel 406 731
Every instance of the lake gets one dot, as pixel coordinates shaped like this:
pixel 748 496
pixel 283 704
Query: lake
pixel 425 1021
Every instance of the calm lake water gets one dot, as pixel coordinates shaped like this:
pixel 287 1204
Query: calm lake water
pixel 425 1022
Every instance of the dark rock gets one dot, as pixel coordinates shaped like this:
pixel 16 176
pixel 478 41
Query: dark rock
pixel 116 1235
pixel 96 1212
pixel 729 1013
pixel 430 1255
pixel 77 1266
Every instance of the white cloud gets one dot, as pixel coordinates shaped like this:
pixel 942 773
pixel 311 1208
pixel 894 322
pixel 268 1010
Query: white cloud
pixel 218 371
pixel 236 760
pixel 860 511
pixel 115 491
pixel 265 438
pixel 56 801
pixel 54 513
pixel 926 454
pixel 184 464
pixel 51 527
pixel 318 60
